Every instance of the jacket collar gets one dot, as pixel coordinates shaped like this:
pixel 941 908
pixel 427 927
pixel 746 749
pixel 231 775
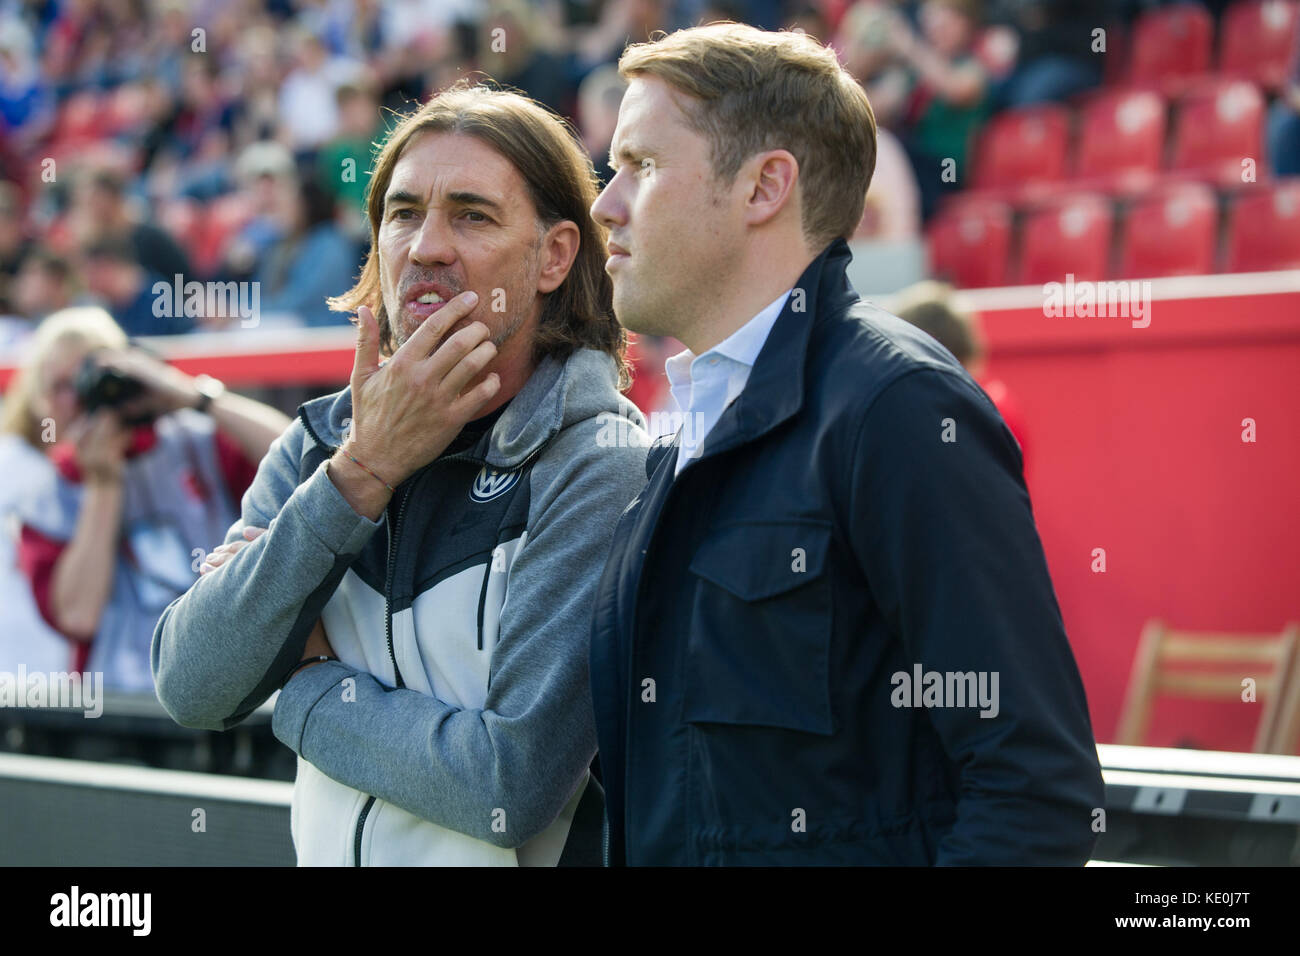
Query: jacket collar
pixel 774 392
pixel 558 393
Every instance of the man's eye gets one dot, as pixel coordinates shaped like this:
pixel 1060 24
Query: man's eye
pixel 402 213
pixel 647 165
pixel 481 216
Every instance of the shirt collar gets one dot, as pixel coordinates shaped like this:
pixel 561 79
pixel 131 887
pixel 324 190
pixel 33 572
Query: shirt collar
pixel 742 345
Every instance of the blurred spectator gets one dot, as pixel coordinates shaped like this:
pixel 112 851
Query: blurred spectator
pixel 417 24
pixel 25 640
pixel 1284 122
pixel 343 166
pixel 933 308
pixel 25 102
pixel 515 57
pixel 45 284
pixel 353 28
pixel 308 97
pixel 169 41
pixel 15 241
pixel 599 98
pixel 267 183
pixel 127 290
pixel 256 63
pixel 202 109
pixel 949 100
pixel 864 43
pixel 102 214
pixel 312 260
pixel 111 537
pixel 621 22
pixel 1054 58
pixel 893 207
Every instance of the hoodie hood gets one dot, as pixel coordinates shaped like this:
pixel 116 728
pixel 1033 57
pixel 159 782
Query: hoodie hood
pixel 558 394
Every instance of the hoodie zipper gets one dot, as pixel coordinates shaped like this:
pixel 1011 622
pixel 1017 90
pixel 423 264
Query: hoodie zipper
pixel 361 828
pixel 393 530
pixel 392 654
pixel 604 841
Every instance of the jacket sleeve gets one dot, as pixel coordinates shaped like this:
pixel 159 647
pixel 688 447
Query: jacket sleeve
pixel 943 530
pixel 527 749
pixel 221 648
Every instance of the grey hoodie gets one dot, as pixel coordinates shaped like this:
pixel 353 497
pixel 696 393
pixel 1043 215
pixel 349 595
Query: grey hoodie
pixel 456 727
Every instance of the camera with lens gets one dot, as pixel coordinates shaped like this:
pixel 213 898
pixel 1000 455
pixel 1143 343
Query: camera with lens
pixel 101 386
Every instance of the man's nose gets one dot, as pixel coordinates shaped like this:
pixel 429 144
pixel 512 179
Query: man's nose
pixel 608 209
pixel 433 244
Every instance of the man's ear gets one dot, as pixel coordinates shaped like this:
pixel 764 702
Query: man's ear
pixel 559 249
pixel 772 179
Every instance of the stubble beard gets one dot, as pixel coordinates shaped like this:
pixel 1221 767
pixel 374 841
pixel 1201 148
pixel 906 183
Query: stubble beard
pixel 516 290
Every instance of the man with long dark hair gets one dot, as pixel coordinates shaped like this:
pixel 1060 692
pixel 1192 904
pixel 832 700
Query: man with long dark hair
pixel 435 675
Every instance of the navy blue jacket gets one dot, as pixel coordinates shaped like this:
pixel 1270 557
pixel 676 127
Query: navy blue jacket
pixel 857 519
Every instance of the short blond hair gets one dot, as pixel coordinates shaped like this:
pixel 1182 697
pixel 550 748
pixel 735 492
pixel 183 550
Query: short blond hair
pixel 752 90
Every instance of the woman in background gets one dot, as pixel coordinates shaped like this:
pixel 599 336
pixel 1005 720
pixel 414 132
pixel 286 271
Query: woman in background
pixel 115 504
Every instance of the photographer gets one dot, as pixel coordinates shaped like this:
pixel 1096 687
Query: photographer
pixel 149 465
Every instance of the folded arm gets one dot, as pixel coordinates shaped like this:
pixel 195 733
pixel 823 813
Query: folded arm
pixel 526 750
pixel 222 648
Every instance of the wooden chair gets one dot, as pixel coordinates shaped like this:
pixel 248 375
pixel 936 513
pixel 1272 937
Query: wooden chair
pixel 1271 659
pixel 1286 737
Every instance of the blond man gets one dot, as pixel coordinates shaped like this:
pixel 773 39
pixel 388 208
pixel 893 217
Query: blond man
pixel 826 632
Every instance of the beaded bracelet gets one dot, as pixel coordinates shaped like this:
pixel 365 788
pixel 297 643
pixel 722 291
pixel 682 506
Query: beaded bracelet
pixel 352 458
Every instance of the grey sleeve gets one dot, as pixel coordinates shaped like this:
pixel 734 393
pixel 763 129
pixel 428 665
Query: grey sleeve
pixel 221 649
pixel 529 746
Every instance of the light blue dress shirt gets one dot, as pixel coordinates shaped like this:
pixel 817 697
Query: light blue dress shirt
pixel 704 385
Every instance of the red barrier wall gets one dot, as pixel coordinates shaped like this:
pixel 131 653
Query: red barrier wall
pixel 1135 446
pixel 1135 440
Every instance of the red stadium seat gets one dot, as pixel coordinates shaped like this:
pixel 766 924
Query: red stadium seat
pixel 1072 235
pixel 1121 141
pixel 1258 39
pixel 1265 230
pixel 1171 47
pixel 1171 232
pixel 1217 127
pixel 1022 149
pixel 970 243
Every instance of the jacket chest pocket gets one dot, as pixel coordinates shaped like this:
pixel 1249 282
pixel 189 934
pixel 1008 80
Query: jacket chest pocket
pixel 760 627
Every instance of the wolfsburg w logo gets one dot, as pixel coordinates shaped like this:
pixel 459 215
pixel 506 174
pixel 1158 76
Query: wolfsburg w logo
pixel 490 483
